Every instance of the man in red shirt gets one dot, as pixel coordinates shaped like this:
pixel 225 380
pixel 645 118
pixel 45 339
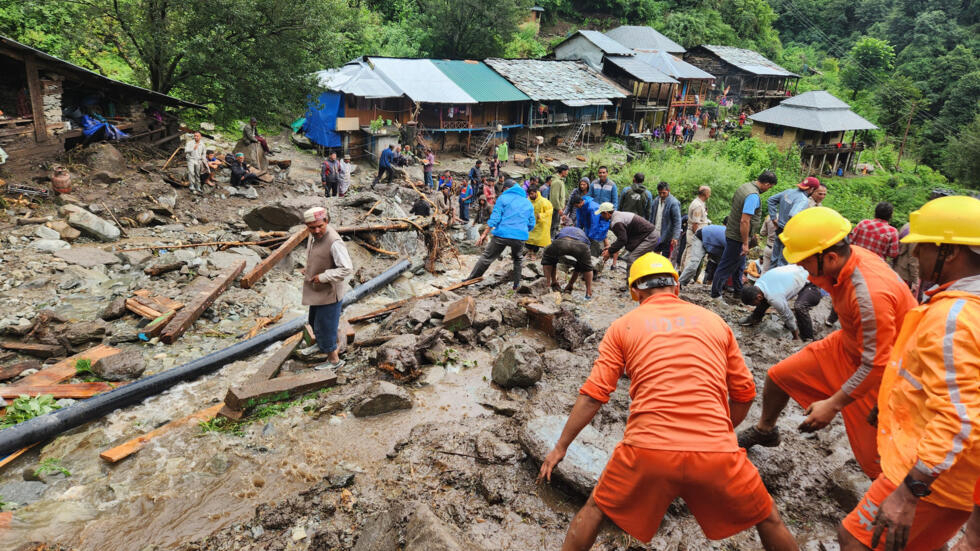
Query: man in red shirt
pixel 878 236
pixel 689 388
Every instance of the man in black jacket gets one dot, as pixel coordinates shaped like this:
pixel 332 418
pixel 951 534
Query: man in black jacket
pixel 240 174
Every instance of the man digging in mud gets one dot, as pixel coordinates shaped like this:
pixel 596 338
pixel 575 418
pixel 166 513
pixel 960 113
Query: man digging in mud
pixel 841 372
pixel 689 387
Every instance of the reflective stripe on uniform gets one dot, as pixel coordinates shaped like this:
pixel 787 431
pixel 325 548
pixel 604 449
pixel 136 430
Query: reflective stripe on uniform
pixel 954 390
pixel 869 331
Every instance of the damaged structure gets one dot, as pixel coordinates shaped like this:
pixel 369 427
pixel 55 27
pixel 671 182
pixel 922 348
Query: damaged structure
pixel 50 104
pixel 744 77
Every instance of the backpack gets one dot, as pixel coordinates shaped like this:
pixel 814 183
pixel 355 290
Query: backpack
pixel 636 202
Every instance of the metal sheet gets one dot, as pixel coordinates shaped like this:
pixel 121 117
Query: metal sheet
pixel 479 81
pixel 641 70
pixel 644 38
pixel 585 102
pixel 673 66
pixel 358 79
pixel 420 80
pixel 749 60
pixel 818 111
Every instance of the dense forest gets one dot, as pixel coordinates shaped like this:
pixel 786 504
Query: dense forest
pixel 908 65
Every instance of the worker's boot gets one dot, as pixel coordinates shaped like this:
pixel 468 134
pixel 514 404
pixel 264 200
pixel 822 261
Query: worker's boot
pixel 755 437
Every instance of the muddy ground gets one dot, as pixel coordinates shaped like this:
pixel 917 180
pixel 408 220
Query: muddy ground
pixel 455 470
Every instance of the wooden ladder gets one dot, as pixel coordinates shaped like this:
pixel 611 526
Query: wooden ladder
pixel 484 142
pixel 575 136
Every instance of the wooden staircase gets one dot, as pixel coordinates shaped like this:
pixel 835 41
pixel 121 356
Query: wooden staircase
pixel 574 136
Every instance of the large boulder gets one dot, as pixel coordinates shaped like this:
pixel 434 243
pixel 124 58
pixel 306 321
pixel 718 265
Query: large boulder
pixel 571 330
pixel 254 154
pixel 518 365
pixel 382 397
pixel 124 366
pixel 90 224
pixel 85 331
pixel 107 164
pixel 585 459
pixel 398 356
pixel 426 532
pixel 281 215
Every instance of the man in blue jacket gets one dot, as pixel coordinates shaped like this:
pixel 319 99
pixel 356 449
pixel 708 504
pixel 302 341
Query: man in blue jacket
pixel 785 205
pixel 665 215
pixel 510 223
pixel 604 190
pixel 594 226
pixel 384 164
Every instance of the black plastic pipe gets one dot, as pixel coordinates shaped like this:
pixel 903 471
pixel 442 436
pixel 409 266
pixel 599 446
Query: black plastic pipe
pixel 47 426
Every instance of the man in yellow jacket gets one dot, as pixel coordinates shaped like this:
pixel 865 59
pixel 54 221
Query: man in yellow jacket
pixel 929 400
pixel 541 234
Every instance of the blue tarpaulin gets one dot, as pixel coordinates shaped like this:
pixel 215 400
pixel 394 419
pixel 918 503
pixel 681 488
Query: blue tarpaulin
pixel 321 119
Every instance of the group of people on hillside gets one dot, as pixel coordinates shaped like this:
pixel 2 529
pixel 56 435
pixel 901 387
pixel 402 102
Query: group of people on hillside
pixel 203 163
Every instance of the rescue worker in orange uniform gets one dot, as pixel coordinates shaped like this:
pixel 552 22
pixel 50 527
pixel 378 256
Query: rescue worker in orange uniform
pixel 841 372
pixel 929 402
pixel 971 540
pixel 689 387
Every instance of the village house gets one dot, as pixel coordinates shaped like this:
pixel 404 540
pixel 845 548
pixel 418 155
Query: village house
pixel 49 105
pixel 817 123
pixel 694 84
pixel 743 77
pixel 651 92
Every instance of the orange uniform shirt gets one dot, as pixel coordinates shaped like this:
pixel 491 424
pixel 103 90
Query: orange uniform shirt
pixel 871 301
pixel 683 364
pixel 929 405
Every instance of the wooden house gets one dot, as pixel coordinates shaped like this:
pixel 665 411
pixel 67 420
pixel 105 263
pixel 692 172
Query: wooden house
pixel 817 123
pixel 651 91
pixel 43 98
pixel 743 77
pixel 589 46
pixel 694 84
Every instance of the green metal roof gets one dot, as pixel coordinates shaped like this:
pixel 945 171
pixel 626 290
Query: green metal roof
pixel 479 81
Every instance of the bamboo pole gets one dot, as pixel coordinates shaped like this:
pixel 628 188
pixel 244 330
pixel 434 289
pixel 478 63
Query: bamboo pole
pixel 172 155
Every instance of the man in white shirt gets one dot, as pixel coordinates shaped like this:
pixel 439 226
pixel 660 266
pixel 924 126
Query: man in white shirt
pixel 196 153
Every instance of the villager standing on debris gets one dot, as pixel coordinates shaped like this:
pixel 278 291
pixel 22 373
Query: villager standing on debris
pixel 384 164
pixel 604 190
pixel 465 199
pixel 785 205
pixel 743 223
pixel 488 192
pixel 569 242
pixel 540 236
pixel 841 372
pixel 665 215
pixel 776 288
pixel 195 152
pixel 558 197
pixel 330 175
pixel 427 164
pixel 929 401
pixel 582 190
pixel 475 175
pixel 502 154
pixel 510 223
pixel 346 169
pixel 328 266
pixel 250 133
pixel 878 236
pixel 689 387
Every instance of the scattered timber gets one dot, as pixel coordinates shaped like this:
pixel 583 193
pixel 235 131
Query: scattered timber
pixel 74 390
pixel 126 449
pixel 238 397
pixel 43 351
pixel 269 369
pixel 249 279
pixel 186 317
pixel 65 369
pixel 11 371
pixel 399 303
pixel 27 221
pixel 263 243
pixel 160 269
pixel 155 327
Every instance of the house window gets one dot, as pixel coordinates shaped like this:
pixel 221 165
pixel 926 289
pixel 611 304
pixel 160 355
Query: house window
pixel 774 130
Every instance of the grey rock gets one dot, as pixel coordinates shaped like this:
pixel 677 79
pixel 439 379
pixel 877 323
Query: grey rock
pixel 491 449
pixel 519 365
pixel 382 397
pixel 222 260
pixel 136 259
pixel 91 224
pixel 280 215
pixel 563 361
pixel 380 532
pixel 86 331
pixel 127 334
pixel 585 459
pixel 340 479
pixel 218 464
pixel 49 245
pixel 281 294
pixel 45 232
pixel 571 330
pixel 66 232
pixel 104 157
pixel 498 402
pixel 124 366
pixel 145 218
pixel 87 257
pixel 23 492
pixel 513 315
pixel 426 532
pixel 398 354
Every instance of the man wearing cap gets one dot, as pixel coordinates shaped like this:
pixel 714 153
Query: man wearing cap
pixel 510 223
pixel 633 233
pixel 240 174
pixel 785 205
pixel 328 266
pixel 330 175
pixel 929 400
pixel 346 169
pixel 689 388
pixel 841 372
pixel 250 133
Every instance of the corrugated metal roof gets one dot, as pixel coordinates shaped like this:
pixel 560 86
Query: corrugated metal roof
pixel 106 81
pixel 544 80
pixel 604 43
pixel 479 81
pixel 357 78
pixel 672 65
pixel 818 111
pixel 641 70
pixel 644 38
pixel 420 80
pixel 749 60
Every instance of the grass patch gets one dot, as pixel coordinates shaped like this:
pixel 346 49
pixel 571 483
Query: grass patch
pixel 25 407
pixel 51 465
pixel 260 409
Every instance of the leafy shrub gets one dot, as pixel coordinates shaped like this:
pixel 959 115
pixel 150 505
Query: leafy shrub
pixel 25 408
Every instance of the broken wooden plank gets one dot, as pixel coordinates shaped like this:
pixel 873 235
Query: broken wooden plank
pixel 11 371
pixel 399 303
pixel 154 328
pixel 72 390
pixel 135 306
pixel 238 397
pixel 43 351
pixel 309 337
pixel 159 269
pixel 262 268
pixel 65 369
pixel 126 449
pixel 199 303
pixel 15 455
pixel 229 413
pixel 271 366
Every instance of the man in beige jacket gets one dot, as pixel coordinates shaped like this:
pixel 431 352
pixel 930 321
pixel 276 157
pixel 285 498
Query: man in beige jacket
pixel 328 265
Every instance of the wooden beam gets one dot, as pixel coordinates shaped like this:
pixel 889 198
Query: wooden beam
pixel 249 279
pixel 399 303
pixel 270 368
pixel 239 397
pixel 73 390
pixel 126 449
pixel 37 103
pixel 33 349
pixel 136 307
pixel 15 455
pixel 155 327
pixel 65 369
pixel 199 303
pixel 11 371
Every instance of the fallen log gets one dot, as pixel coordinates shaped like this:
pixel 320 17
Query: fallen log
pixel 402 226
pixel 46 426
pixel 163 268
pixel 245 396
pixel 134 306
pixel 15 455
pixel 378 250
pixel 205 244
pixel 73 390
pixel 399 303
pixel 11 371
pixel 186 317
pixel 262 268
pixel 126 449
pixel 43 351
pixel 65 369
pixel 269 369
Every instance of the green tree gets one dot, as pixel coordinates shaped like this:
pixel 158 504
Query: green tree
pixel 894 102
pixel 690 28
pixel 525 43
pixel 471 29
pixel 752 21
pixel 962 156
pixel 870 58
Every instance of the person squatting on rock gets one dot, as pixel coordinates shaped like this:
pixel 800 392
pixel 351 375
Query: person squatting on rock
pixel 689 387
pixel 929 402
pixel 776 288
pixel 510 224
pixel 328 265
pixel 841 372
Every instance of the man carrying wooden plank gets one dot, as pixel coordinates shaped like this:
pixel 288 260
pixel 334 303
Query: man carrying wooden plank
pixel 328 265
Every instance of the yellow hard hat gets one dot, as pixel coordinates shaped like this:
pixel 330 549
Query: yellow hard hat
pixel 812 231
pixel 953 220
pixel 647 265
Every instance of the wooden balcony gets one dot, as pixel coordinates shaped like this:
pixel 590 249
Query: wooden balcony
pixel 830 149
pixel 768 94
